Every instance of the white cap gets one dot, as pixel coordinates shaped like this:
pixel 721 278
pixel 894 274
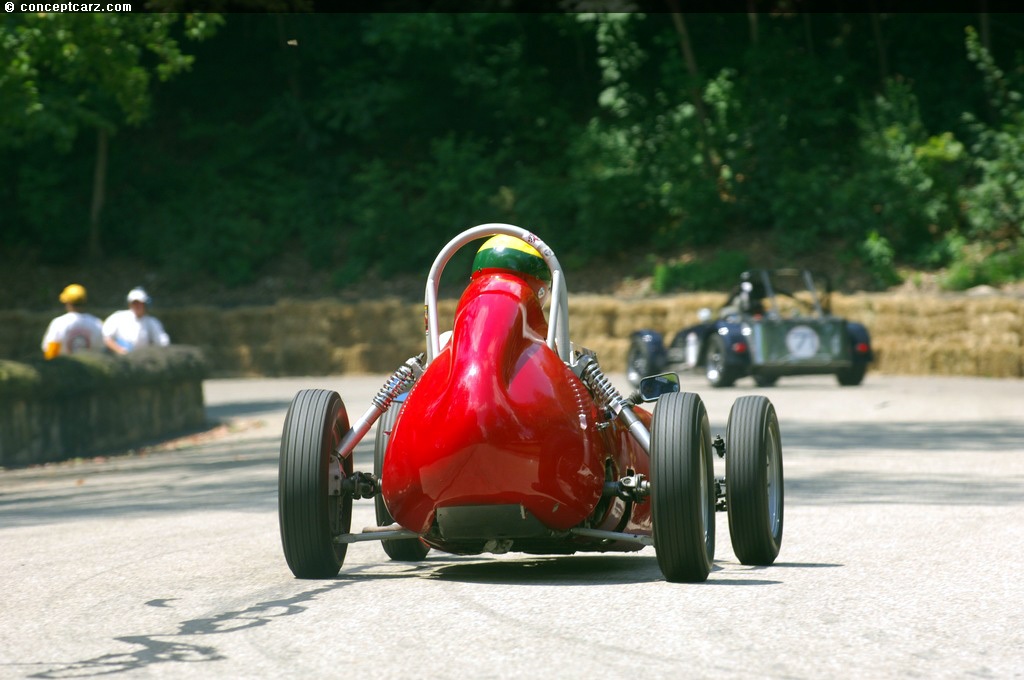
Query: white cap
pixel 138 294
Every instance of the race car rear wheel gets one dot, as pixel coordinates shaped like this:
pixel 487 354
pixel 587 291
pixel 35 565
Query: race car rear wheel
pixel 682 492
pixel 310 516
pixel 754 492
pixel 719 373
pixel 638 362
pixel 852 376
pixel 403 549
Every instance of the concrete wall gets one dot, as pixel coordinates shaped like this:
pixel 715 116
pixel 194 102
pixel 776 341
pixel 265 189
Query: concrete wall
pixel 912 334
pixel 81 406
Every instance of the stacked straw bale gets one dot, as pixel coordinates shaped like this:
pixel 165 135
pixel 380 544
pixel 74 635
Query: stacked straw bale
pixel 604 324
pixel 942 335
pixel 911 334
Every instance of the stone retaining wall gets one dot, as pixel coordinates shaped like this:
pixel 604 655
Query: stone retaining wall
pixel 912 334
pixel 84 405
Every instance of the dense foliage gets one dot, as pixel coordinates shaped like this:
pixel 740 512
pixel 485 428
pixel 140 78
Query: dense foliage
pixel 361 142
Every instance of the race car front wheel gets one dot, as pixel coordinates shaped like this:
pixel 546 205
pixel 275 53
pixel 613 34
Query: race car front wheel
pixel 753 480
pixel 682 492
pixel 401 549
pixel 312 511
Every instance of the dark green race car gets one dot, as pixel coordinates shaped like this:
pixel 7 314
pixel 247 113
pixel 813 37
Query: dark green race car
pixel 775 323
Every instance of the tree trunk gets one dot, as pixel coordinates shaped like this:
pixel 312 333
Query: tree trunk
pixel 752 20
pixel 984 27
pixel 883 57
pixel 808 33
pixel 99 193
pixel 698 100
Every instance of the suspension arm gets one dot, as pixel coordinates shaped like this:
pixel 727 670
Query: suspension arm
pixel 400 381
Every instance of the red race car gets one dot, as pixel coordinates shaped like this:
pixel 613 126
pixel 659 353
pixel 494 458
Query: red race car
pixel 504 436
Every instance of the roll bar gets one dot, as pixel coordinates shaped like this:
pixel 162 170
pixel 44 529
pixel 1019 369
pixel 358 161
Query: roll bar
pixel 558 323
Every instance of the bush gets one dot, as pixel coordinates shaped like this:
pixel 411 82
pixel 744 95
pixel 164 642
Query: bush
pixel 720 272
pixel 878 256
pixel 979 264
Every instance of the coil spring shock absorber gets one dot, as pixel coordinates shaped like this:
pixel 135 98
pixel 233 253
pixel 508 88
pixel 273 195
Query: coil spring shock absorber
pixel 399 381
pixel 593 377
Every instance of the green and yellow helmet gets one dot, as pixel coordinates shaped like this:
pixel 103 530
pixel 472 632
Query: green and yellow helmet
pixel 509 253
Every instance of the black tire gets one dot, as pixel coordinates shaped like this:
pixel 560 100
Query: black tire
pixel 754 489
pixel 682 488
pixel 852 376
pixel 762 380
pixel 638 362
pixel 310 517
pixel 719 373
pixel 403 549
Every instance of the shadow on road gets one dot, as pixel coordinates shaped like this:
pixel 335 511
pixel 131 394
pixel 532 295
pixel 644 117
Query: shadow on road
pixel 215 476
pixel 916 479
pixel 242 475
pixel 988 436
pixel 545 571
pixel 181 646
pixel 239 409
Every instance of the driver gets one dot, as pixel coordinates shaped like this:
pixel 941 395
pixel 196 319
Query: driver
pixel 508 253
pixel 746 298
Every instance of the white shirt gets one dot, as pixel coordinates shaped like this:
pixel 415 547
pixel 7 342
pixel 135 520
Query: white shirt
pixel 76 332
pixel 131 332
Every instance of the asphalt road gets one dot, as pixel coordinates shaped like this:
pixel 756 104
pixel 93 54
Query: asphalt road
pixel 904 531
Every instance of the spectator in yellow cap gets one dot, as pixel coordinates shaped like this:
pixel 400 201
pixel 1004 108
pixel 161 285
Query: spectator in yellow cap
pixel 75 331
pixel 132 328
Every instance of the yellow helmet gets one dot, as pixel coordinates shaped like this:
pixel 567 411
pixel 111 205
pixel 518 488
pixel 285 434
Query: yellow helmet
pixel 73 295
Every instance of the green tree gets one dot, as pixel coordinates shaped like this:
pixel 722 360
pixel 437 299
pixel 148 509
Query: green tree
pixel 61 73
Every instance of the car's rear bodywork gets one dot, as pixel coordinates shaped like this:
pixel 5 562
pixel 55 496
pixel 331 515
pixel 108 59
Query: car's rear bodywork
pixel 500 442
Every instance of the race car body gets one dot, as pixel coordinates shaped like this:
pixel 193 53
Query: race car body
pixel 503 436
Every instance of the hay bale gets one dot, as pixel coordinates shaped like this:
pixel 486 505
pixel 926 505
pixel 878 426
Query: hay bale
pixel 684 311
pixel 643 314
pixel 995 305
pixel 955 355
pixel 912 334
pixel 894 305
pixel 993 322
pixel 999 361
pixel 856 307
pixel 350 359
pixel 901 356
pixel 293 319
pixel 611 352
pixel 342 324
pixel 591 315
pixel 302 355
pixel 233 360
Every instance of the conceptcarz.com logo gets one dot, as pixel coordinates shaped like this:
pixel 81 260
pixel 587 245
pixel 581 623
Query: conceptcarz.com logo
pixel 67 7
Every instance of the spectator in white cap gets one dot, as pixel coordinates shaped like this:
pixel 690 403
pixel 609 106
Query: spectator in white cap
pixel 132 328
pixel 75 331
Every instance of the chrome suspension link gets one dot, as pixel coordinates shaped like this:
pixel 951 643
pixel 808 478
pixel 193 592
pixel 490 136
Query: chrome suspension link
pixel 399 381
pixel 593 377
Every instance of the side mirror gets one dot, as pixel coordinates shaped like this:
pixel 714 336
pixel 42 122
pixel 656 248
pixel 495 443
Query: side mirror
pixel 652 387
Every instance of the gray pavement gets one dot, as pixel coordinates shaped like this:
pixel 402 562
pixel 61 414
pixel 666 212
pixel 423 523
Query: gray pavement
pixel 904 528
